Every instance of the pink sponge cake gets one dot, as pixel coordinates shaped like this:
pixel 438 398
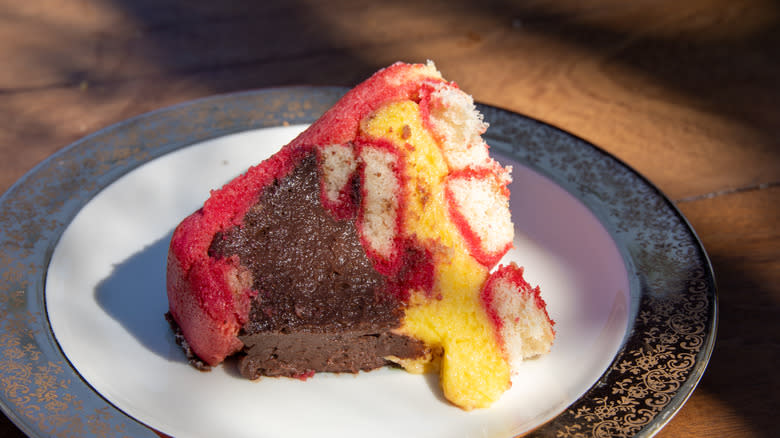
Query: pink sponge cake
pixel 368 240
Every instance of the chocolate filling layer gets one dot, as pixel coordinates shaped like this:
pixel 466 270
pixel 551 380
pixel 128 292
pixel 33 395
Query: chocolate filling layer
pixel 320 303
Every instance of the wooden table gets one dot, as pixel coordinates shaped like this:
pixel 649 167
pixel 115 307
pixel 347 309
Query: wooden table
pixel 687 93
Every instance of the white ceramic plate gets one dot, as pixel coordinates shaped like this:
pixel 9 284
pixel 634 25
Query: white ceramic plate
pixel 105 294
pixel 623 274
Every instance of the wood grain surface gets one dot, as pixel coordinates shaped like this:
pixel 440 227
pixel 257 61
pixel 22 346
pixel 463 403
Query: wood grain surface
pixel 685 92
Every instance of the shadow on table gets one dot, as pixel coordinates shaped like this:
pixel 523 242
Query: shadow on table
pixel 743 369
pixel 235 45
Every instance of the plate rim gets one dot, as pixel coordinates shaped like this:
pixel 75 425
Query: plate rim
pixel 39 194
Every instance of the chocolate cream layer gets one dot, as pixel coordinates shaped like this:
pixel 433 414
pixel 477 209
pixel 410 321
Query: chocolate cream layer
pixel 321 306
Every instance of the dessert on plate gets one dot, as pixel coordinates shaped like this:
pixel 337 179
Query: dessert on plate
pixel 371 239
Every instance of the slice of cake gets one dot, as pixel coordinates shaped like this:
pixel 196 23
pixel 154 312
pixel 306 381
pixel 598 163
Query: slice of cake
pixel 366 241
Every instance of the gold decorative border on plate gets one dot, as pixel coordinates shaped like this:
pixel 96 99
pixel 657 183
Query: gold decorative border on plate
pixel 673 309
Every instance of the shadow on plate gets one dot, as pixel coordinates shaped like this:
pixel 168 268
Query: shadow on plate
pixel 134 295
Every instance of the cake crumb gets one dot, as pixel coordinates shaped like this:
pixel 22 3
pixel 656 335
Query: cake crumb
pixel 406 132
